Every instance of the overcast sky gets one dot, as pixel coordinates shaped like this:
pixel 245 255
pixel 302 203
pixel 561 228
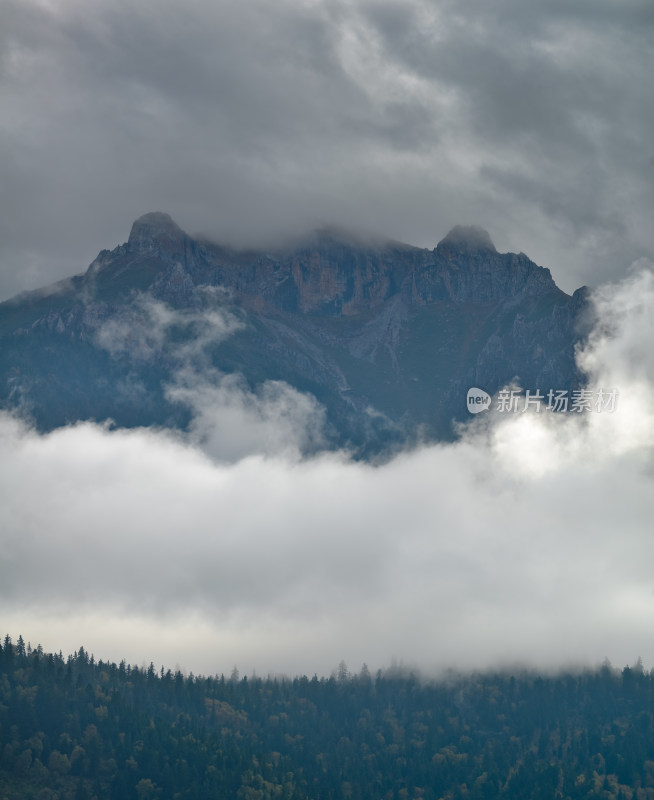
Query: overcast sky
pixel 247 119
pixel 528 541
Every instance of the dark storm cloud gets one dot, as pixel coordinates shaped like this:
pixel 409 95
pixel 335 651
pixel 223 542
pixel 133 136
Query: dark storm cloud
pixel 251 120
pixel 553 99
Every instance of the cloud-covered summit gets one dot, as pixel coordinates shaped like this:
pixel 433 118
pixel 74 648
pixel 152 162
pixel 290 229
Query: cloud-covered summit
pixel 155 229
pixel 389 337
pixel 252 121
pixel 470 238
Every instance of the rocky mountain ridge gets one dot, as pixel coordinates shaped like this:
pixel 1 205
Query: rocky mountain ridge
pixel 327 275
pixel 388 337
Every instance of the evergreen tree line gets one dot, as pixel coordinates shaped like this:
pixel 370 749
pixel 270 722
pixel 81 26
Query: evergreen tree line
pixel 76 729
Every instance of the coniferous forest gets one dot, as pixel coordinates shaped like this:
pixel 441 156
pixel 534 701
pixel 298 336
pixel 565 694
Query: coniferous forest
pixel 75 729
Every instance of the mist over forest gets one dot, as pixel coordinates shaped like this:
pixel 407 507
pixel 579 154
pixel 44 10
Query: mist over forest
pixel 80 728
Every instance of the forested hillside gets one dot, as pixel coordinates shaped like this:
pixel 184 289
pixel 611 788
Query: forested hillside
pixel 80 729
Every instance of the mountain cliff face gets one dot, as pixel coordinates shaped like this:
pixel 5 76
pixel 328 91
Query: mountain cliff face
pixel 387 336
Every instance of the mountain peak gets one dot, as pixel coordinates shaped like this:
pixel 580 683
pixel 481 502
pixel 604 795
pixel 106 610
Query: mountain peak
pixel 155 228
pixel 402 330
pixel 468 238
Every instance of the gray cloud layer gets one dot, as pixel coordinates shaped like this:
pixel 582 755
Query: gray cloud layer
pixel 251 120
pixel 528 540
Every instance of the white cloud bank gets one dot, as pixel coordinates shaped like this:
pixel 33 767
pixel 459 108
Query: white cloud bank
pixel 529 540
